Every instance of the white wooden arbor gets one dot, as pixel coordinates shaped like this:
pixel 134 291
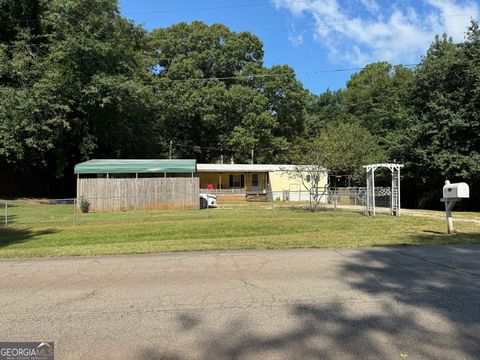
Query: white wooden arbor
pixel 394 193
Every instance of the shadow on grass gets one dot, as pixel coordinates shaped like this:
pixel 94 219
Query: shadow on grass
pixel 433 232
pixel 13 235
pixel 415 302
pixel 321 209
pixel 431 237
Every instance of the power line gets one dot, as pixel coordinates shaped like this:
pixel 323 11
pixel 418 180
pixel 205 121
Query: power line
pixel 176 10
pixel 273 75
pixel 242 77
pixel 211 8
pixel 251 77
pixel 223 7
pixel 198 147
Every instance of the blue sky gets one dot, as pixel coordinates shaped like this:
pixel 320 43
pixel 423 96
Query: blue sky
pixel 316 35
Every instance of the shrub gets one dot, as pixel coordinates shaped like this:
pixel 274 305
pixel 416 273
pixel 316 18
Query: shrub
pixel 84 206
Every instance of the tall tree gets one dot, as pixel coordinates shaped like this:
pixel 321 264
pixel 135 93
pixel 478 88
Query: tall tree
pixel 74 86
pixel 442 140
pixel 217 98
pixel 341 148
pixel 328 107
pixel 375 97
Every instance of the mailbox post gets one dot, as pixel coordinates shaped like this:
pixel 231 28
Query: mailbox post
pixel 451 194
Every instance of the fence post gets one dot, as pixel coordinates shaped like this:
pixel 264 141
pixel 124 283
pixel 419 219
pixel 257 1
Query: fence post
pixel 335 202
pixel 74 211
pixel 208 208
pixel 273 203
pixel 6 213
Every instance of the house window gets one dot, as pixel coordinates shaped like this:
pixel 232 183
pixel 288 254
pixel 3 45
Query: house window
pixel 237 181
pixel 255 180
pixel 308 178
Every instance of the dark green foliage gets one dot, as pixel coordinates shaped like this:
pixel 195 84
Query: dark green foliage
pixel 442 140
pixel 375 97
pixel 343 148
pixel 16 15
pixel 427 118
pixel 74 89
pixel 78 81
pixel 84 206
pixel 230 114
pixel 328 107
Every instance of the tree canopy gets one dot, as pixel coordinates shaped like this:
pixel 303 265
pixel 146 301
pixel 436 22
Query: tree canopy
pixel 79 81
pixel 216 97
pixel 441 140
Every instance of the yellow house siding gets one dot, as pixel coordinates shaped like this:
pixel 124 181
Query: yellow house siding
pixel 281 181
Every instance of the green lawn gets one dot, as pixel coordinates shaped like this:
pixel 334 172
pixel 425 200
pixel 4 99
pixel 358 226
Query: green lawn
pixel 47 230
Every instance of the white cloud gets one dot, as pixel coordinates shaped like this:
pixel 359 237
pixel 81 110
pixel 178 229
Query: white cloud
pixel 295 37
pixel 455 16
pixel 371 5
pixel 398 33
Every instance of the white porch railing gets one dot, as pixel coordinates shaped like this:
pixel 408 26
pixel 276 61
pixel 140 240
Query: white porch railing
pixel 224 191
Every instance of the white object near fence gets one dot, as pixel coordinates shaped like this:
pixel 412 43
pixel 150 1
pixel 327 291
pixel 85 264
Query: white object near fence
pixel 451 194
pixel 395 191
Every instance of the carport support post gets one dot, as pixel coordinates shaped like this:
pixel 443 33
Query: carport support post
pixel 373 190
pixel 74 211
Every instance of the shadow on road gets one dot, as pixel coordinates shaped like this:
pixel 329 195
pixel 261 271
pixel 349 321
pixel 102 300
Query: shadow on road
pixel 415 305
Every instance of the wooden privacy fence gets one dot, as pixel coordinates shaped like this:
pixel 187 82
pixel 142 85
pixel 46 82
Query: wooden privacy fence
pixel 139 194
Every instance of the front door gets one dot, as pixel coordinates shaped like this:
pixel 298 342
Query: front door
pixel 256 183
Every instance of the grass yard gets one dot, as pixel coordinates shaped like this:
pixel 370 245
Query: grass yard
pixel 241 226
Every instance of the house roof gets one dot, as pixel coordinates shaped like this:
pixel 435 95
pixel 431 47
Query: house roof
pixel 132 166
pixel 243 168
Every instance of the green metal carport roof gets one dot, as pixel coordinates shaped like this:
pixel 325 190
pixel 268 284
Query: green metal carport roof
pixel 131 166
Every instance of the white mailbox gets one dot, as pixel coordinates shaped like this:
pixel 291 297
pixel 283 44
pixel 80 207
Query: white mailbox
pixel 451 194
pixel 456 191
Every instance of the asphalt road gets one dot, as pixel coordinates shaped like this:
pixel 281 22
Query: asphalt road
pixel 389 303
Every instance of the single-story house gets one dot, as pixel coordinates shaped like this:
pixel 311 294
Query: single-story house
pixel 251 179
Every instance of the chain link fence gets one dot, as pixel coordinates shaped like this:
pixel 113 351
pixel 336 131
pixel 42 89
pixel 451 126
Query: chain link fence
pixel 74 211
pixel 66 212
pixel 355 198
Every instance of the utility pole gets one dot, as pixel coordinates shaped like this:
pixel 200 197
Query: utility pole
pixel 252 155
pixel 170 150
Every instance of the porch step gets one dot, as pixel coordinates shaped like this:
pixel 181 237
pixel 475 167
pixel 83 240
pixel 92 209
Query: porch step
pixel 230 197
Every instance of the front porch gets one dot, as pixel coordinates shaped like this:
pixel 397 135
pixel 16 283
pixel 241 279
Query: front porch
pixel 234 183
